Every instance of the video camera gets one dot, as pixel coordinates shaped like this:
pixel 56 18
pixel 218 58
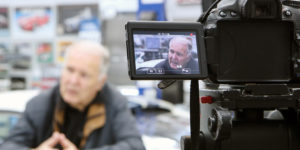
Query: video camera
pixel 247 52
pixel 149 42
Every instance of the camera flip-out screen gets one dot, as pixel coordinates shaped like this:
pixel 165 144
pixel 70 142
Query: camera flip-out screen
pixel 165 50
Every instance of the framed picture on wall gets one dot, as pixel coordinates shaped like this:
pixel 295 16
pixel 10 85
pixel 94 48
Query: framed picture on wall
pixel 44 52
pixel 33 22
pixel 5 53
pixel 45 76
pixel 22 55
pixel 61 47
pixel 4 21
pixel 76 18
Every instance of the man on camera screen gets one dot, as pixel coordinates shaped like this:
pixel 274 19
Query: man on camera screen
pixel 167 54
pixel 180 60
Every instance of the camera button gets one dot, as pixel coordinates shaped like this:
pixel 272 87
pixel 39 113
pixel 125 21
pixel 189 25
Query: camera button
pixel 287 13
pixel 233 14
pixel 222 14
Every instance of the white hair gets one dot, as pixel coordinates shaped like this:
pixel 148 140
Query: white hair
pixel 96 48
pixel 182 40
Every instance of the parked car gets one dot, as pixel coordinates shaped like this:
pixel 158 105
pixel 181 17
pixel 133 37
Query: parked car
pixel 12 104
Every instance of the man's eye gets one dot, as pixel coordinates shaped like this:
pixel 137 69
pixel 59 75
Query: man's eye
pixel 179 54
pixel 172 51
pixel 69 69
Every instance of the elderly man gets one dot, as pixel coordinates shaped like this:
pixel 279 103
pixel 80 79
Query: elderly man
pixel 180 59
pixel 82 112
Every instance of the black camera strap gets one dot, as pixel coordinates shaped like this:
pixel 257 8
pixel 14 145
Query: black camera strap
pixel 206 13
pixel 194 114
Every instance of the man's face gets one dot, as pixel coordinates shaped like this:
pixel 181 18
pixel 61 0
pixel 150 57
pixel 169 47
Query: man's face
pixel 80 81
pixel 178 55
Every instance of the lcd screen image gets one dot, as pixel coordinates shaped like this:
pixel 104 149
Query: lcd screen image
pixel 169 53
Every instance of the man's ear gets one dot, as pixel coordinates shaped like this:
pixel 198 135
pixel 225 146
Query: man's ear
pixel 102 81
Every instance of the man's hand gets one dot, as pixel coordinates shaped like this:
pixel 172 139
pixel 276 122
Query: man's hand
pixel 56 138
pixel 50 143
pixel 66 143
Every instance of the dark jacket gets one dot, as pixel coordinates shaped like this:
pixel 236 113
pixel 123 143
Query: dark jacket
pixel 36 125
pixel 192 65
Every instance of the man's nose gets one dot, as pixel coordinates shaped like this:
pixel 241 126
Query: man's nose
pixel 174 56
pixel 74 78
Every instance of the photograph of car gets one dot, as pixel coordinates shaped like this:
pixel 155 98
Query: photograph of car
pixel 33 22
pixel 72 18
pixel 31 19
pixel 29 23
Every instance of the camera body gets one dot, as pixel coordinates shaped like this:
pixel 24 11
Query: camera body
pixel 245 39
pixel 239 41
pixel 248 56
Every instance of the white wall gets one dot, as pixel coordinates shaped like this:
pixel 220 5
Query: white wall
pixel 177 12
pixel 44 2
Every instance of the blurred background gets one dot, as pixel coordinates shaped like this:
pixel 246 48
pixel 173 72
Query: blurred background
pixel 34 35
